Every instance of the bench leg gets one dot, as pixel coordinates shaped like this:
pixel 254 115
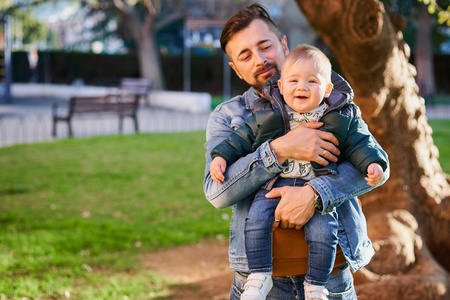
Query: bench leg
pixel 54 128
pixel 120 124
pixel 69 124
pixel 136 126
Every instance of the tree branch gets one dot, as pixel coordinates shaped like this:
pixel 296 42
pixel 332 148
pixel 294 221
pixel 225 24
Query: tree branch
pixel 120 5
pixel 151 8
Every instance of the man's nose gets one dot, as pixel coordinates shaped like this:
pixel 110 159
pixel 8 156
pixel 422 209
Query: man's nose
pixel 260 59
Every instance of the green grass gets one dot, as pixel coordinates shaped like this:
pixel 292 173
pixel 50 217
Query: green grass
pixel 441 137
pixel 216 100
pixel 76 214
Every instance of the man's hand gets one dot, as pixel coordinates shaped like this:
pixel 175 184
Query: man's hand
pixel 305 142
pixel 295 208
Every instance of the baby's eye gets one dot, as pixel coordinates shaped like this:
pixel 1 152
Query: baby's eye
pixel 312 81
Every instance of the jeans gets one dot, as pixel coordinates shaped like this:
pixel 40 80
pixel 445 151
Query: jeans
pixel 321 234
pixel 339 286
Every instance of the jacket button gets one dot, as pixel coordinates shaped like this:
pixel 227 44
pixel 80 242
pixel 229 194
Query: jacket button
pixel 269 159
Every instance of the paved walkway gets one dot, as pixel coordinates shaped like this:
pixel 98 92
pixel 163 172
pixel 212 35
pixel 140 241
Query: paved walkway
pixel 30 120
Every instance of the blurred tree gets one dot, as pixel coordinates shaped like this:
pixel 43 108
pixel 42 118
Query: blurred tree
pixel 138 21
pixel 409 216
pixel 425 27
pixel 424 56
pixel 33 30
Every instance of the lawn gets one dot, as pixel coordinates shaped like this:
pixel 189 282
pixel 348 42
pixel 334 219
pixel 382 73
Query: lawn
pixel 77 214
pixel 441 137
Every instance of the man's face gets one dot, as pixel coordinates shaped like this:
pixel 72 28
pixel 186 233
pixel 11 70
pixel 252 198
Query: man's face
pixel 256 53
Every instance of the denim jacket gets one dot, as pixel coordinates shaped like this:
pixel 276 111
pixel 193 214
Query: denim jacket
pixel 250 172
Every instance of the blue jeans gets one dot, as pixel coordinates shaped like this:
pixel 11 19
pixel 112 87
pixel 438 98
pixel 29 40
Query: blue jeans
pixel 340 286
pixel 320 231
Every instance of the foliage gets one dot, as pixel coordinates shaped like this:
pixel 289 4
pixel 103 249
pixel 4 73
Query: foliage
pixel 409 9
pixel 33 29
pixel 443 14
pixel 78 213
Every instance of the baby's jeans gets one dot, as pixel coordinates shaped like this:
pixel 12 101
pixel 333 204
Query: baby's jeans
pixel 320 231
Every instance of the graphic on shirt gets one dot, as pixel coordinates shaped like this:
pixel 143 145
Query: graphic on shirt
pixel 301 168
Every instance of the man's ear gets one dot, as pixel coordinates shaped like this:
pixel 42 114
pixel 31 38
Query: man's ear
pixel 284 43
pixel 280 86
pixel 328 90
pixel 234 68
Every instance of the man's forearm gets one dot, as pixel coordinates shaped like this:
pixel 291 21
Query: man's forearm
pixel 242 178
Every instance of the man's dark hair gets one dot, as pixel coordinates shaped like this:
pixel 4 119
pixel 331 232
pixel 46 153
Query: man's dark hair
pixel 242 20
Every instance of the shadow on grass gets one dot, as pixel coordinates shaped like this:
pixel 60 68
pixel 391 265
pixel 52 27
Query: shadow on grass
pixel 14 190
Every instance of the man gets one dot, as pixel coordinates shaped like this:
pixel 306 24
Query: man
pixel 256 50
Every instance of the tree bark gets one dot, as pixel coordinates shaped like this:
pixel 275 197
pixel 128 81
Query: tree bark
pixel 409 216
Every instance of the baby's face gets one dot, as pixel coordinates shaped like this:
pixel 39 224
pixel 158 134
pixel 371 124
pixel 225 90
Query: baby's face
pixel 302 86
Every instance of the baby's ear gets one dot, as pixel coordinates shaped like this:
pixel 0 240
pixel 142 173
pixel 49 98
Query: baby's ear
pixel 328 90
pixel 280 86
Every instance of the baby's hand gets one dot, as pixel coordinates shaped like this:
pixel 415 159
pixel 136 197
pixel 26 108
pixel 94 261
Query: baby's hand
pixel 217 168
pixel 374 174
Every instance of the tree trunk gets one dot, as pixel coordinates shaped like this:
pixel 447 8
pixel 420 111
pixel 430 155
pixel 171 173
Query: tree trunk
pixel 424 55
pixel 149 62
pixel 147 51
pixel 409 216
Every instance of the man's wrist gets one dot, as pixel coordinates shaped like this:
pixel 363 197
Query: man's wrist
pixel 318 203
pixel 269 158
pixel 275 147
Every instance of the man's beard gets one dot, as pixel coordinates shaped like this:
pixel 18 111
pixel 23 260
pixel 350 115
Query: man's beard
pixel 259 82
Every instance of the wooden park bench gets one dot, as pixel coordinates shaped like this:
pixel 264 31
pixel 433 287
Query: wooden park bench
pixel 122 104
pixel 139 86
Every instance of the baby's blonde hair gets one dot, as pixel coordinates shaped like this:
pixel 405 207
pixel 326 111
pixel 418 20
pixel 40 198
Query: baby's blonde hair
pixel 320 60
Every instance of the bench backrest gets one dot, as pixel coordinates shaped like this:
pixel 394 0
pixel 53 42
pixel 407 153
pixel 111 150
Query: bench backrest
pixel 122 104
pixel 138 86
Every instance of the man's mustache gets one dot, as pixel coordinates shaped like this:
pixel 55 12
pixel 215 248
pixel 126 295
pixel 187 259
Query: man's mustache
pixel 265 68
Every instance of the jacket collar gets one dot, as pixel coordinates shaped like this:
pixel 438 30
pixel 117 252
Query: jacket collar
pixel 249 97
pixel 336 100
pixel 271 84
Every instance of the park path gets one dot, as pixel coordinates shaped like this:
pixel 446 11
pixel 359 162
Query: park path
pixel 30 121
pixel 199 271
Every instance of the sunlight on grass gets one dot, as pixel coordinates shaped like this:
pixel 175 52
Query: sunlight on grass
pixel 76 205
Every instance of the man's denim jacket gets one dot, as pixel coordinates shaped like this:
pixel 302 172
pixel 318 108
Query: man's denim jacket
pixel 249 173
